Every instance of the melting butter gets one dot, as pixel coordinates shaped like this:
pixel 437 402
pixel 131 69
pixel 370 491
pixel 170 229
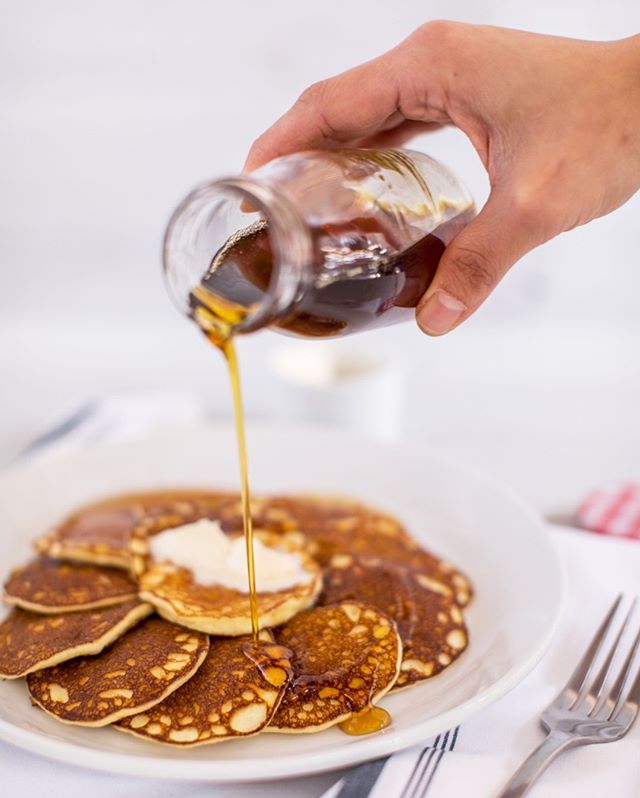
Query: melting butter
pixel 216 559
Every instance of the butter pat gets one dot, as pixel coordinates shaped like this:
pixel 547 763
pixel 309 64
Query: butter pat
pixel 216 559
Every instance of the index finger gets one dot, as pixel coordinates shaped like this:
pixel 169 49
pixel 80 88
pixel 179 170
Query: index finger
pixel 347 109
pixel 337 111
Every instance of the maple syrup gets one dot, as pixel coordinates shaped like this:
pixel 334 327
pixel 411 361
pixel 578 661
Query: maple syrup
pixel 238 280
pixel 216 321
pixel 369 720
pixel 272 660
pixel 375 287
pixel 318 243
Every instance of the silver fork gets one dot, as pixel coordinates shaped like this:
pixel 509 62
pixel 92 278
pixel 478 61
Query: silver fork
pixel 589 709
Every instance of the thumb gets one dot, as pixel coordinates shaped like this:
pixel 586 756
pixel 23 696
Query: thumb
pixel 473 264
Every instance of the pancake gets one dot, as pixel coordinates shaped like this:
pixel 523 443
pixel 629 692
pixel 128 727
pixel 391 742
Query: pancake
pixel 30 641
pixel 232 695
pixel 51 586
pixel 336 525
pixel 345 658
pixel 99 533
pixel 265 516
pixel 430 624
pixel 139 670
pixel 216 609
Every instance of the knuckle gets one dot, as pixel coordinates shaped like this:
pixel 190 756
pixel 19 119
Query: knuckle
pixel 433 34
pixel 313 94
pixel 474 270
pixel 533 207
pixel 314 103
pixel 525 202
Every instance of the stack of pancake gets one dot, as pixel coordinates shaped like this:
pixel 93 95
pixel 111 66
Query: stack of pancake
pixel 104 634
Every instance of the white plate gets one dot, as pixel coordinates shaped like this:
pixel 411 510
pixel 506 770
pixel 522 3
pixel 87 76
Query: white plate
pixel 473 522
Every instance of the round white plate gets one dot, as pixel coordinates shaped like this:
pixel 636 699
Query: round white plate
pixel 455 511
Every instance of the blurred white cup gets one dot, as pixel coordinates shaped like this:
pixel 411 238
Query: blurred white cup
pixel 340 383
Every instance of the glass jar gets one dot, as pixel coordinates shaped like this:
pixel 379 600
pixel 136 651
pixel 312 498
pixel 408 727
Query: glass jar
pixel 319 243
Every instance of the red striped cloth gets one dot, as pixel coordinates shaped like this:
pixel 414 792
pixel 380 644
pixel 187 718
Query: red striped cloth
pixel 613 510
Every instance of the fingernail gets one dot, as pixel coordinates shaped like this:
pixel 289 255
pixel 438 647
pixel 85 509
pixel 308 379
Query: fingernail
pixel 439 313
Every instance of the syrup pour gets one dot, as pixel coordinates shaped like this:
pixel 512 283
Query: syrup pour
pixel 216 319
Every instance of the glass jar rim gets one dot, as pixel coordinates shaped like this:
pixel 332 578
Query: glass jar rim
pixel 288 233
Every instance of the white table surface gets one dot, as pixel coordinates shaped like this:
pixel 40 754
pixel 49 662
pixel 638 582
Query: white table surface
pixel 491 744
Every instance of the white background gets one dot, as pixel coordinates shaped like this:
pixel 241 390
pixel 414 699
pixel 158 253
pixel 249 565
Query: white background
pixel 111 111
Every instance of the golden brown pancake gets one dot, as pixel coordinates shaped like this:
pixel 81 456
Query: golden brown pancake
pixel 327 525
pixel 220 610
pixel 30 641
pixel 232 695
pixel 264 515
pixel 139 670
pixel 51 586
pixel 430 624
pixel 337 525
pixel 345 658
pixel 99 533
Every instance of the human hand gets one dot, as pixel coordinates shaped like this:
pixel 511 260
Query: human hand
pixel 555 121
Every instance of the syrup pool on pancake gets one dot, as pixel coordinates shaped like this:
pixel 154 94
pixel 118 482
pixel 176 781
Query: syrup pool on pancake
pixel 232 695
pixel 345 657
pixel 99 533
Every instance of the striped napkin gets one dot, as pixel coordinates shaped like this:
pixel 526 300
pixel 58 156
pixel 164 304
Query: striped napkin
pixel 408 773
pixel 612 510
pixel 114 418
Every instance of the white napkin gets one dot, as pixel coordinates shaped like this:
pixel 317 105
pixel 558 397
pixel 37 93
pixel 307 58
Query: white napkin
pixel 476 759
pixel 115 417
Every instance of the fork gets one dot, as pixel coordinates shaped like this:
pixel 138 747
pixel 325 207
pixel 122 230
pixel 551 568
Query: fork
pixel 589 709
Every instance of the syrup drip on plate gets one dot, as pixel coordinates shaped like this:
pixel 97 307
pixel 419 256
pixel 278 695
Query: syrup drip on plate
pixel 369 720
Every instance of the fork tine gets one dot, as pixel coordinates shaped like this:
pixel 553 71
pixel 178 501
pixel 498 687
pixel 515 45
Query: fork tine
pixel 618 690
pixel 596 690
pixel 578 678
